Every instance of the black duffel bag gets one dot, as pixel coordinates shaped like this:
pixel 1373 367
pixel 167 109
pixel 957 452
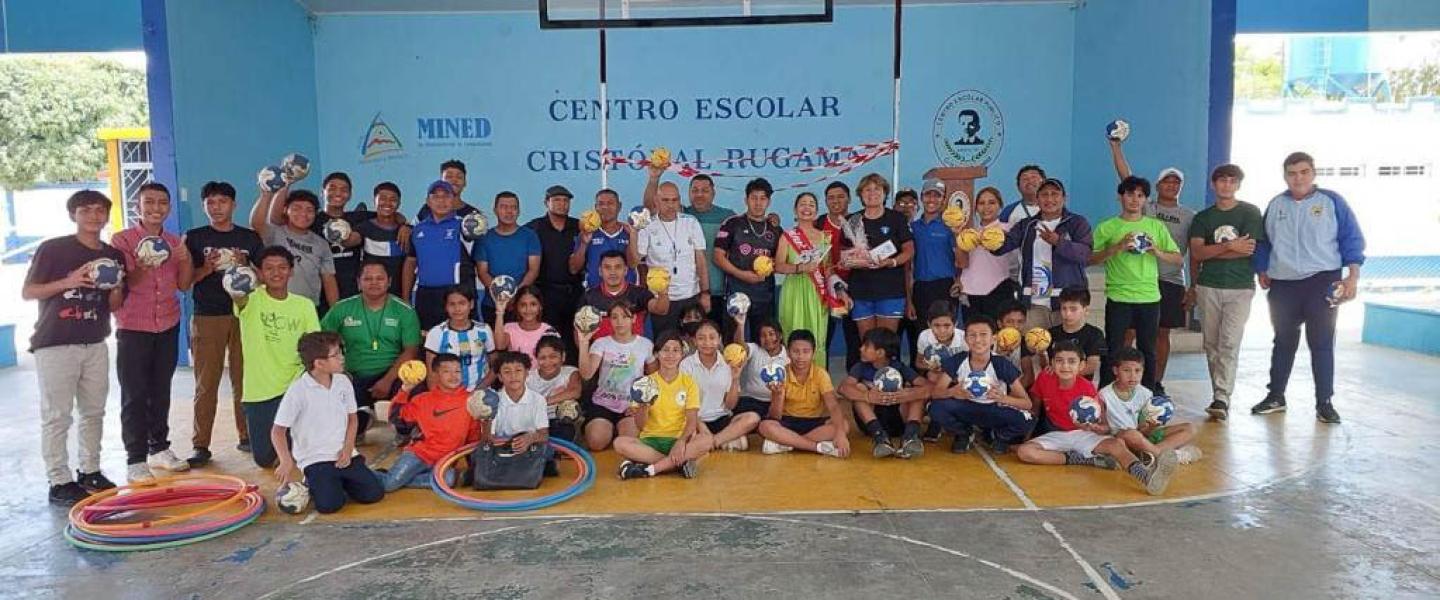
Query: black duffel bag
pixel 499 467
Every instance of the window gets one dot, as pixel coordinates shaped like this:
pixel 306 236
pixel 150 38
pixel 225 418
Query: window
pixel 1415 170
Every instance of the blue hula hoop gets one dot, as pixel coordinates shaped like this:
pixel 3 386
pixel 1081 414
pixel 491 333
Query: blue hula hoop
pixel 437 483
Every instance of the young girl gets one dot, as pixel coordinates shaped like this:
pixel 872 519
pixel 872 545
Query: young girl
pixel 690 320
pixel 620 358
pixel 522 336
pixel 559 383
pixel 719 391
pixel 805 299
pixel 472 341
pixel 670 433
pixel 797 412
pixel 754 394
pixel 985 278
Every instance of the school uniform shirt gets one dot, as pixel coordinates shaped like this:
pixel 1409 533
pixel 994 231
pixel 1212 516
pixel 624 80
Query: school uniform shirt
pixel 270 330
pixel 77 315
pixel 382 243
pixel 1131 277
pixel 506 254
pixel 347 259
pixel 714 383
pixel 1177 220
pixel 955 346
pixel 743 240
pixel 439 251
pixel 881 284
pixel 805 398
pixel 620 365
pixel 209 295
pixel 525 341
pixel 472 345
pixel 751 386
pixel 671 245
pixel 638 296
pixel 666 417
pixel 443 419
pixel 710 222
pixel 373 338
pixel 317 416
pixel 547 387
pixel 312 260
pixel 600 243
pixel 934 249
pixel 1124 414
pixel 514 416
pixel 998 370
pixel 152 301
pixel 1090 338
pixel 1056 400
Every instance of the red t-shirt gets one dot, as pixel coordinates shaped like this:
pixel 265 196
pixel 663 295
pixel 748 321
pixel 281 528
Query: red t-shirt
pixel 1047 390
pixel 443 419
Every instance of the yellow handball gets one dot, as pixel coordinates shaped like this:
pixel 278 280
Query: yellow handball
pixel 764 266
pixel 967 240
pixel 660 157
pixel 412 372
pixel 734 355
pixel 1037 339
pixel 657 280
pixel 992 238
pixel 1007 340
pixel 954 216
pixel 589 221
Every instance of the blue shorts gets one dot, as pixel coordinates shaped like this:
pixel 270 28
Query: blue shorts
pixel 888 308
pixel 802 425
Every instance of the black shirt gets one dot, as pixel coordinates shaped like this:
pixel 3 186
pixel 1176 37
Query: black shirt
pixel 555 247
pixel 347 260
pixel 76 315
pixel 383 244
pixel 743 240
pixel 1090 338
pixel 210 297
pixel 881 284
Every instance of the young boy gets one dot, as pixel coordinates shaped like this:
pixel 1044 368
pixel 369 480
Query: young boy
pixel 471 340
pixel 271 323
pixel 670 433
pixel 798 407
pixel 1013 316
pixel 520 418
pixel 942 339
pixel 1003 410
pixel 559 384
pixel 619 359
pixel 72 361
pixel 1125 400
pixel 613 287
pixel 318 413
pixel 284 219
pixel 883 415
pixel 442 420
pixel 754 394
pixel 1074 307
pixel 1074 443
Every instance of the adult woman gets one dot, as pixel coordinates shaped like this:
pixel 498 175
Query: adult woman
pixel 880 243
pixel 985 279
pixel 804 253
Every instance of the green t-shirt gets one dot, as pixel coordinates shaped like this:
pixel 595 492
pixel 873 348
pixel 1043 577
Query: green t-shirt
pixel 270 331
pixel 1130 277
pixel 1214 225
pixel 373 338
pixel 710 224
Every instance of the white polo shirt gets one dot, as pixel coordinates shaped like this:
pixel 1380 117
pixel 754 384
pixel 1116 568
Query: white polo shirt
pixel 545 387
pixel 751 386
pixel 671 245
pixel 316 416
pixel 714 383
pixel 514 417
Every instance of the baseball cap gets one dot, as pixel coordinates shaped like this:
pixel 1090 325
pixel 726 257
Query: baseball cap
pixel 933 185
pixel 440 184
pixel 1052 182
pixel 1168 171
pixel 558 190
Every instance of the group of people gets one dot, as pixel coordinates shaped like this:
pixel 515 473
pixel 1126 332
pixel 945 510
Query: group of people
pixel 339 310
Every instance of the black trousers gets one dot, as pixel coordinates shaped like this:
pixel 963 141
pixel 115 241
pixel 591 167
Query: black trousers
pixel 145 364
pixel 992 303
pixel 430 306
pixel 1145 319
pixel 558 310
pixel 331 486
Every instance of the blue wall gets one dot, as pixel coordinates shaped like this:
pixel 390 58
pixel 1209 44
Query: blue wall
pixel 1336 16
pixel 69 25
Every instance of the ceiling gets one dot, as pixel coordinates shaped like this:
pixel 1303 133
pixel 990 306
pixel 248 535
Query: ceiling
pixel 402 6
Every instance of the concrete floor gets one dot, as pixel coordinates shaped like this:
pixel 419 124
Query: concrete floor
pixel 1322 512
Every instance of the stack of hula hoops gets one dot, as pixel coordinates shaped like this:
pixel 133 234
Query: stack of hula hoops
pixel 584 478
pixel 173 511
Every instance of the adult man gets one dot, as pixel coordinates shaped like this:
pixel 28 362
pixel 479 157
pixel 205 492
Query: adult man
pixel 558 233
pixel 346 252
pixel 675 243
pixel 452 172
pixel 710 217
pixel 214 330
pixel 613 234
pixel 507 249
pixel 837 207
pixel 742 239
pixel 386 237
pixel 1310 233
pixel 380 332
pixel 1054 251
pixel 437 256
pixel 284 219
pixel 1222 240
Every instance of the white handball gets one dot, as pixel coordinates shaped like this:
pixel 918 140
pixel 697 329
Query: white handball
pixel 1225 233
pixel 888 380
pixel 738 304
pixel 587 319
pixel 474 225
pixel 240 280
pixel 152 251
pixel 294 167
pixel 292 498
pixel 336 230
pixel 1117 130
pixel 502 289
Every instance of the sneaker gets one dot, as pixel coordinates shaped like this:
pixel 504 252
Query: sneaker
pixel 999 446
pixel 200 458
pixel 932 432
pixel 166 460
pixel 1272 403
pixel 883 449
pixel 1159 476
pixel 67 494
pixel 690 469
pixel 828 448
pixel 1188 454
pixel 1325 412
pixel 1218 410
pixel 630 469
pixel 94 482
pixel 1105 462
pixel 739 444
pixel 961 444
pixel 770 447
pixel 911 447
pixel 1146 458
pixel 243 446
pixel 139 474
pixel 551 469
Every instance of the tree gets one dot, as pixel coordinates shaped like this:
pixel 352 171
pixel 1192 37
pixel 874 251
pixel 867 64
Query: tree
pixel 50 110
pixel 1408 82
pixel 1257 76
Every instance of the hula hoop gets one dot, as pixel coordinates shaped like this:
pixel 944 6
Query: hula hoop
pixel 228 505
pixel 582 482
pixel 252 511
pixel 240 489
pixel 155 546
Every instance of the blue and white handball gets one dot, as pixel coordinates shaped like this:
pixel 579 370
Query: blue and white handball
pixel 152 251
pixel 483 403
pixel 1334 295
pixel 474 225
pixel 502 289
pixel 1085 410
pixel 239 280
pixel 738 304
pixel 270 179
pixel 977 384
pixel 640 217
pixel 773 373
pixel 292 498
pixel 1117 130
pixel 294 167
pixel 644 391
pixel 930 356
pixel 1225 233
pixel 888 380
pixel 336 230
pixel 106 273
pixel 1158 411
pixel 1141 243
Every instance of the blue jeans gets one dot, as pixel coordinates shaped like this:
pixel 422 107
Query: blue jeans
pixel 407 472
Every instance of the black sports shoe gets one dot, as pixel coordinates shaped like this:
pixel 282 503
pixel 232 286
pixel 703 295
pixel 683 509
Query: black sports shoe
pixel 200 458
pixel 551 469
pixel 93 482
pixel 67 494
pixel 1325 412
pixel 999 446
pixel 932 432
pixel 883 449
pixel 1272 403
pixel 911 447
pixel 1218 410
pixel 961 444
pixel 633 470
pixel 243 446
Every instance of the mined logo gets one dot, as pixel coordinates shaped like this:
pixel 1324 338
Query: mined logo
pixel 968 130
pixel 379 140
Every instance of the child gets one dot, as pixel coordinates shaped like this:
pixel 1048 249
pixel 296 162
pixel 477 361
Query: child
pixel 690 319
pixel 1074 307
pixel 559 384
pixel 719 391
pixel 940 336
pixel 1083 443
pixel 318 413
pixel 442 426
pixel 1125 398
pixel 471 340
pixel 620 359
pixel 613 287
pixel 754 394
pixel 520 419
pixel 883 415
pixel 1012 316
pixel 524 335
pixel 1004 412
pixel 72 361
pixel 799 405
pixel 670 433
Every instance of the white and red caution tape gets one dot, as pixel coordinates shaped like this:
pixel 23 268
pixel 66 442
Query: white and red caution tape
pixel 853 157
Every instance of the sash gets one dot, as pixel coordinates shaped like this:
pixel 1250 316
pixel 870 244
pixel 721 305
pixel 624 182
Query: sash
pixel 803 247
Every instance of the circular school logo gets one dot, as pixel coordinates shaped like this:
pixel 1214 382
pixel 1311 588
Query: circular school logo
pixel 968 130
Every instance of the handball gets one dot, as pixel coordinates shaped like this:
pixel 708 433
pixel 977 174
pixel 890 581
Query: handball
pixel 1117 130
pixel 152 251
pixel 888 380
pixel 107 274
pixel 657 280
pixel 336 230
pixel 412 372
pixel 1085 410
pixel 270 179
pixel 764 266
pixel 239 281
pixel 735 355
pixel 1037 339
pixel 587 319
pixel 294 167
pixel 1007 340
pixel 589 221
